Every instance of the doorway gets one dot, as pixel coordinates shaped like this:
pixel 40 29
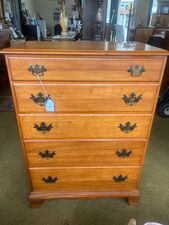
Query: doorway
pixel 124 18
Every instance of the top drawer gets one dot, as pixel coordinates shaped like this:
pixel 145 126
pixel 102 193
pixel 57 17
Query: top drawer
pixel 85 69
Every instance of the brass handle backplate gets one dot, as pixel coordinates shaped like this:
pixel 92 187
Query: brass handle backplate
pixel 47 154
pixel 136 70
pixel 37 70
pixel 43 128
pixel 132 99
pixel 128 127
pixel 40 99
pixel 124 153
pixel 120 179
pixel 49 180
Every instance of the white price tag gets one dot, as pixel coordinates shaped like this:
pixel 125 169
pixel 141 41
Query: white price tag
pixel 50 106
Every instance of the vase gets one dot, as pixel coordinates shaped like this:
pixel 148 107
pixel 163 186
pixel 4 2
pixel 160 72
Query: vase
pixel 64 23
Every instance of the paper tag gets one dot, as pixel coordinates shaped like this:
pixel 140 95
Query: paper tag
pixel 50 106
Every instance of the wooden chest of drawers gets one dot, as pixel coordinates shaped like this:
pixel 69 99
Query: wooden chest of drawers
pixel 94 143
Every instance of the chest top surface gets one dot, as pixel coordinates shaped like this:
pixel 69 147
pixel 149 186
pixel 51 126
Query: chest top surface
pixel 84 48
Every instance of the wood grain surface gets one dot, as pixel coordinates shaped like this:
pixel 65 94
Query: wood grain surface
pixel 84 126
pixel 84 178
pixel 86 97
pixel 85 153
pixel 86 69
pixel 84 48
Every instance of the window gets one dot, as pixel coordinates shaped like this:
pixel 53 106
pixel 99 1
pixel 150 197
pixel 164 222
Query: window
pixel 153 9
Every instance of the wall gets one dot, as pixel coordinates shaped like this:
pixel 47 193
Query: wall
pixel 46 8
pixel 29 4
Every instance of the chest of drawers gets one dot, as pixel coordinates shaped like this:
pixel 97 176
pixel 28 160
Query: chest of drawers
pixel 93 145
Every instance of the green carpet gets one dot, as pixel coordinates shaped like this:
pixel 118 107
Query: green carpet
pixel 14 207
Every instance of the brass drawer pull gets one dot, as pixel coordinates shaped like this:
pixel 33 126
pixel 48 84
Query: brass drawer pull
pixel 132 99
pixel 136 70
pixel 37 70
pixel 49 180
pixel 40 99
pixel 47 155
pixel 120 179
pixel 128 127
pixel 124 153
pixel 43 128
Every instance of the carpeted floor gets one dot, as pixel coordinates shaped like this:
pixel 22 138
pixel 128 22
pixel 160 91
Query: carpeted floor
pixel 6 104
pixel 14 207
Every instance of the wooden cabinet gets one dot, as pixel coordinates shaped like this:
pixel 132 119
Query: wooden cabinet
pixel 90 27
pixel 4 43
pixel 94 143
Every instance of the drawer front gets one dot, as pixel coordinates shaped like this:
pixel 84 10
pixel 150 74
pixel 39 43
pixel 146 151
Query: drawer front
pixel 85 153
pixel 86 69
pixel 87 97
pixel 67 179
pixel 79 126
